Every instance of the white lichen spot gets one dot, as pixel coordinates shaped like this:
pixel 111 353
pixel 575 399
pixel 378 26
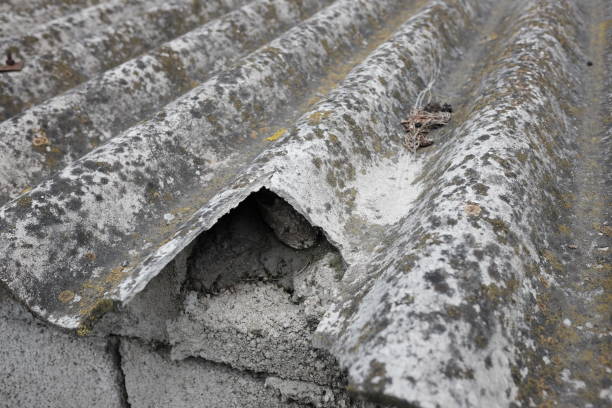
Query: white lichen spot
pixel 387 190
pixel 576 384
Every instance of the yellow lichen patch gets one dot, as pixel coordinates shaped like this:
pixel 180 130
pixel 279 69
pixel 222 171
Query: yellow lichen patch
pixel 522 157
pixel 564 229
pixel 602 31
pixel 495 292
pixel 65 296
pixel 317 117
pixel 567 200
pixel 92 304
pixel 25 201
pixel 427 239
pixel 152 195
pixel 552 260
pixel 115 275
pixel 472 209
pixel 83 331
pixel 164 242
pixel 182 210
pixel 277 135
pixel 313 100
pixel 603 301
pixel 103 164
pixel 454 312
pixel 93 287
pixel 92 313
pixel 574 110
pixel 96 308
pixel 490 37
pixel 604 229
pixel 41 139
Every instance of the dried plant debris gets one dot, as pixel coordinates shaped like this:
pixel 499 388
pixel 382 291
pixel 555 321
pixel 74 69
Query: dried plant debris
pixel 423 120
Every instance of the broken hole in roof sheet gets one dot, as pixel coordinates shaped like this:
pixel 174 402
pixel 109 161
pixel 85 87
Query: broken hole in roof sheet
pixel 261 272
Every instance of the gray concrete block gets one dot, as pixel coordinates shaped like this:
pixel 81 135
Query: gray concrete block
pixel 154 380
pixel 43 367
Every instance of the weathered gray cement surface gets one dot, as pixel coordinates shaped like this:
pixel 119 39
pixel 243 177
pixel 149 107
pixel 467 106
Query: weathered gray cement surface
pixel 575 369
pixel 144 230
pixel 460 288
pixel 66 52
pixel 75 122
pixel 18 16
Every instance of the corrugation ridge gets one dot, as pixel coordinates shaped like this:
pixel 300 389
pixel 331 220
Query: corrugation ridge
pixel 81 119
pixel 32 5
pixel 19 17
pixel 84 22
pixel 59 68
pixel 359 122
pixel 426 288
pixel 229 189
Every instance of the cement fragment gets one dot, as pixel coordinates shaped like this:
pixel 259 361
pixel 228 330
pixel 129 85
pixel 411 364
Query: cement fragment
pixel 153 380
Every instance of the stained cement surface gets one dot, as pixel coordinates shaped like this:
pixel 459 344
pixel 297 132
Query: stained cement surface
pixel 474 274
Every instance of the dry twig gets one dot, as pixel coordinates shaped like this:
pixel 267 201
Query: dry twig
pixel 425 116
pixel 420 122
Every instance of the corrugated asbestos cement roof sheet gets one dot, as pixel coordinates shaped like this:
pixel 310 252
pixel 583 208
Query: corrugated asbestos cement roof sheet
pixel 135 125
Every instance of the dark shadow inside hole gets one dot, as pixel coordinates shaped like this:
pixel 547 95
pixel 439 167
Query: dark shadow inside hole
pixel 262 240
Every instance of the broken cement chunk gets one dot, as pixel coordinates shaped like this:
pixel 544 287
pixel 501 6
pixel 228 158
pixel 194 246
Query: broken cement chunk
pixel 255 327
pixel 289 226
pixel 306 393
pixel 316 286
pixel 313 395
pixel 153 380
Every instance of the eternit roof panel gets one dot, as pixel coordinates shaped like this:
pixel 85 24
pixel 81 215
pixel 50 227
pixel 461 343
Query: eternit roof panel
pixel 135 126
